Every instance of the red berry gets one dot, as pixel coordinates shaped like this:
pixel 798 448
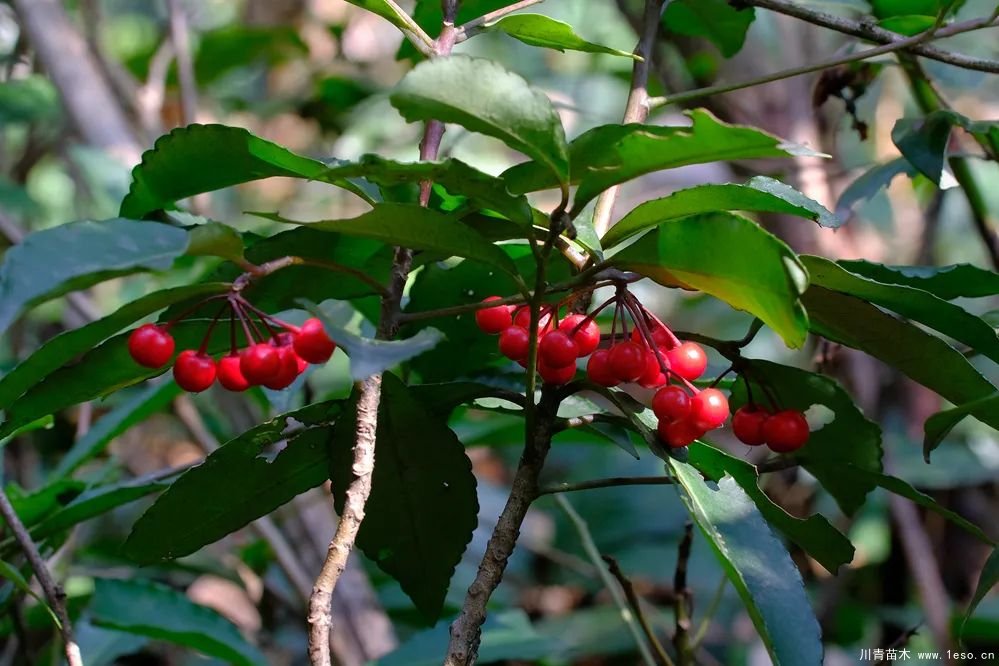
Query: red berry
pixel 193 371
pixel 678 434
pixel 598 369
pixel 627 361
pixel 747 424
pixel 688 360
pixel 495 319
pixel 659 335
pixel 230 376
pixel 151 346
pixel 522 318
pixel 585 335
pixel 259 363
pixel 671 404
pixel 555 374
pixel 709 408
pixel 287 371
pixel 653 376
pixel 557 349
pixel 312 343
pixel 786 431
pixel 513 342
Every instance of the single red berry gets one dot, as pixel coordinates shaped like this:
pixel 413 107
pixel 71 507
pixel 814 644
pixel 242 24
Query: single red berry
pixel 259 363
pixel 230 376
pixel 495 319
pixel 659 335
pixel 786 431
pixel 678 434
pixel 585 335
pixel 193 371
pixel 312 343
pixel 557 349
pixel 556 375
pixel 151 346
pixel 513 342
pixel 653 376
pixel 598 369
pixel 522 318
pixel 671 403
pixel 287 371
pixel 709 408
pixel 747 424
pixel 688 360
pixel 627 361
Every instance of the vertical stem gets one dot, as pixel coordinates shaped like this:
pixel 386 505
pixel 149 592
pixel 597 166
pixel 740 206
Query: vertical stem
pixel 681 639
pixel 180 37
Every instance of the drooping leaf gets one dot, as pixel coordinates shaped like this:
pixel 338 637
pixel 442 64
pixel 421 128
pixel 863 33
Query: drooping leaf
pixel 66 346
pixel 938 426
pixel 849 439
pixel 549 33
pixel 815 535
pixel 868 184
pixel 159 612
pixel 923 142
pixel 731 258
pixel 244 479
pixel 717 20
pixel 483 97
pixel 73 256
pixel 988 579
pixel 423 506
pixel 612 154
pixel 388 11
pixel 204 158
pixel 947 282
pixel 756 563
pixel 9 572
pixel 760 195
pixel 929 310
pixel 924 358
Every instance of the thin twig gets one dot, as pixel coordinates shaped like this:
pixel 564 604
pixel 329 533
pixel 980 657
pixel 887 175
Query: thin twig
pixel 477 25
pixel 610 482
pixel 180 37
pixel 681 639
pixel 417 35
pixel 636 606
pixel 54 593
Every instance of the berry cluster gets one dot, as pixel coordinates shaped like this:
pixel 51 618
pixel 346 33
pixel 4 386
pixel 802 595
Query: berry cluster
pixel 783 432
pixel 273 358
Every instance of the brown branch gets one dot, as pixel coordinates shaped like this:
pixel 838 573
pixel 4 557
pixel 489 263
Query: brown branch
pixel 54 593
pixel 610 482
pixel 681 639
pixel 635 603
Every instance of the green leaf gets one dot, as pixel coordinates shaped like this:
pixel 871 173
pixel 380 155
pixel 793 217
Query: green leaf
pixel 483 97
pixel 923 142
pixel 849 439
pixel 548 33
pixel 233 46
pixel 204 158
pixel 430 16
pixel 159 612
pixel 869 183
pixel 390 12
pixel 936 313
pixel 423 506
pixel 759 195
pixel 214 239
pixel 66 346
pixel 244 479
pixel 413 226
pixel 29 100
pixel 940 424
pixel 458 177
pixel 731 258
pixel 73 256
pixel 104 647
pixel 612 154
pixel 815 535
pixel 717 20
pixel 756 563
pixel 11 573
pixel 988 579
pixel 924 358
pixel 947 282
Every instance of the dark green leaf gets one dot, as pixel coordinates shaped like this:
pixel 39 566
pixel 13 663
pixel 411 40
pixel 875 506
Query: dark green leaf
pixel 429 15
pixel 66 346
pixel 940 424
pixel 849 439
pixel 731 258
pixel 244 479
pixel 869 184
pixel 760 195
pixel 203 158
pixel 815 535
pixel 616 434
pixel 756 563
pixel 104 647
pixel 29 100
pixel 483 97
pixel 214 239
pixel 232 46
pixel 8 572
pixel 923 141
pixel 423 505
pixel 74 256
pixel 947 282
pixel 548 33
pixel 718 20
pixel 159 612
pixel 612 154
pixel 914 304
pixel 988 579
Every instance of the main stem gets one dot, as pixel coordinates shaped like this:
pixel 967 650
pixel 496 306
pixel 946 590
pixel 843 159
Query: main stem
pixel 369 400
